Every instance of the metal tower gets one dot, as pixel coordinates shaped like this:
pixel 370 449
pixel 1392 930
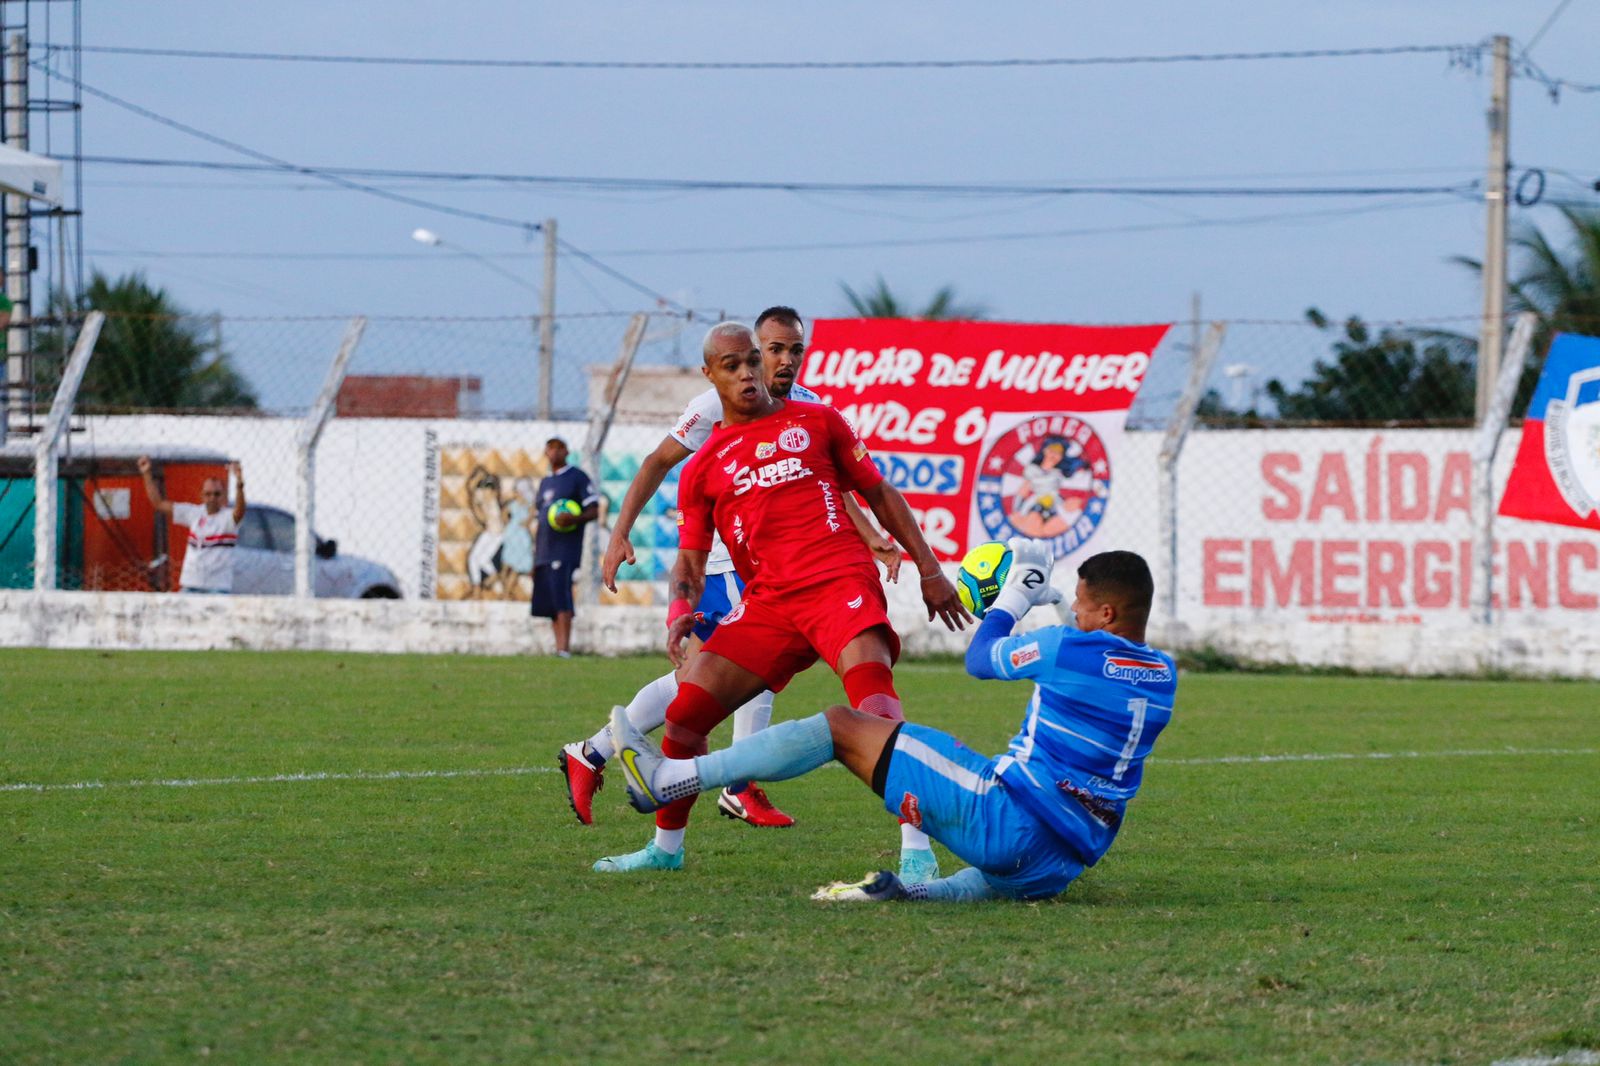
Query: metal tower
pixel 43 114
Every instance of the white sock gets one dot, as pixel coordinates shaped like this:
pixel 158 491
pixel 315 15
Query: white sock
pixel 913 839
pixel 671 772
pixel 669 840
pixel 647 712
pixel 753 717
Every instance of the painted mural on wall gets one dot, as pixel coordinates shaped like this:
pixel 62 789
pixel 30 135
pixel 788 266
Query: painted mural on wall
pixel 486 515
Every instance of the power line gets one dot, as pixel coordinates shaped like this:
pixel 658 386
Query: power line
pixel 274 163
pixel 824 246
pixel 423 176
pixel 663 301
pixel 864 64
pixel 610 184
pixel 1523 67
pixel 1551 21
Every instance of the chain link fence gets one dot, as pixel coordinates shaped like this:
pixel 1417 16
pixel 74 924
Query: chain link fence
pixel 1328 477
pixel 433 444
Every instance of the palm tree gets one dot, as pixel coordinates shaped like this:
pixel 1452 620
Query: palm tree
pixel 880 302
pixel 151 354
pixel 1560 286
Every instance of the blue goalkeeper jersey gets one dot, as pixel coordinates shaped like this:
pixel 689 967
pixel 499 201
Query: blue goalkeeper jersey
pixel 1099 702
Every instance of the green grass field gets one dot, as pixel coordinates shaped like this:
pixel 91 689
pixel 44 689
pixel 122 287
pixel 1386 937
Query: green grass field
pixel 1441 907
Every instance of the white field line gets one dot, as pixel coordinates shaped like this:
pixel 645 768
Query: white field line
pixel 524 771
pixel 1333 756
pixel 1577 1057
pixel 276 779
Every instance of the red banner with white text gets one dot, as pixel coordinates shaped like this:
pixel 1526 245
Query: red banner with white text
pixel 990 429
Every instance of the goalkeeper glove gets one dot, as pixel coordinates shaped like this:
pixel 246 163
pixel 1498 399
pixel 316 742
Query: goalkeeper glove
pixel 1028 584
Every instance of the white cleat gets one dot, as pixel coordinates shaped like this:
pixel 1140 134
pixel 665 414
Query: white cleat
pixel 639 759
pixel 880 887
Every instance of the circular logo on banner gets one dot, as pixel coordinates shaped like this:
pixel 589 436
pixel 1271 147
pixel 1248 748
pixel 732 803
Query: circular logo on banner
pixel 794 439
pixel 1047 478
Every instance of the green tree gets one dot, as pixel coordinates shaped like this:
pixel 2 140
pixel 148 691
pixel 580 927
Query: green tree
pixel 151 353
pixel 1396 376
pixel 880 302
pixel 1560 285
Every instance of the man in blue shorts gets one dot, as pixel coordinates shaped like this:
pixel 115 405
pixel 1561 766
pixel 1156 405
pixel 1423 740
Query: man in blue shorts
pixel 558 545
pixel 1029 821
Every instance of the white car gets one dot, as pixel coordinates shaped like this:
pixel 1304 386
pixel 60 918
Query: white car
pixel 263 562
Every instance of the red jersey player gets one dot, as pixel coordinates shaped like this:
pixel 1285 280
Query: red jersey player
pixel 771 480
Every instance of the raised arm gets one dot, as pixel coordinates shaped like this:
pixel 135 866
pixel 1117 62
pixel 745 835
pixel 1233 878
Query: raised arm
pixel 995 627
pixel 238 491
pixel 1027 586
pixel 158 501
pixel 937 592
pixel 652 472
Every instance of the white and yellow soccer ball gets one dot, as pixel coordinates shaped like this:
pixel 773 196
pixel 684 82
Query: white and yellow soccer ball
pixel 981 575
pixel 571 509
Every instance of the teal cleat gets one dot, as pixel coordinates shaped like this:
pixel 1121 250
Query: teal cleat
pixel 880 887
pixel 918 866
pixel 648 857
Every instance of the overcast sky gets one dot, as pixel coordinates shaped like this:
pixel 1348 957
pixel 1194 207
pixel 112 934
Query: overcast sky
pixel 1403 120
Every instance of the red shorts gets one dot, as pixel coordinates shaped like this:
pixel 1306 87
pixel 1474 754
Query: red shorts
pixel 775 634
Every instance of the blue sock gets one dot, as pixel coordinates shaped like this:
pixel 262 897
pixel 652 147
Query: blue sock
pixel 786 750
pixel 963 886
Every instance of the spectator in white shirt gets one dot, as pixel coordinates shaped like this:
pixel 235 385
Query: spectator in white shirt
pixel 213 530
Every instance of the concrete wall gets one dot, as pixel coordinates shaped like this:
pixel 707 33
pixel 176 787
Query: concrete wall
pixel 120 620
pixel 1317 547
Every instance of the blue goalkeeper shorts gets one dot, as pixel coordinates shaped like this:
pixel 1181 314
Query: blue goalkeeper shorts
pixel 721 595
pixel 952 793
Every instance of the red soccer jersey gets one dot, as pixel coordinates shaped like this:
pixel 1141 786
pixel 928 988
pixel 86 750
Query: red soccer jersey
pixel 774 488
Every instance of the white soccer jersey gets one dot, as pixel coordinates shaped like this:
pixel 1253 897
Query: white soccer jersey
pixel 208 558
pixel 694 427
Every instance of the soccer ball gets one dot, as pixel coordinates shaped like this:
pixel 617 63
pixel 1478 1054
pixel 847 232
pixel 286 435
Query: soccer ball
pixel 981 575
pixel 562 507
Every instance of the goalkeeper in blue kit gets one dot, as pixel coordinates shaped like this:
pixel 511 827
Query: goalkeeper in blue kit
pixel 1028 821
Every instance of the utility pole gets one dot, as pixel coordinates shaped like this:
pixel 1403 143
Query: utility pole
pixel 19 337
pixel 547 320
pixel 1492 330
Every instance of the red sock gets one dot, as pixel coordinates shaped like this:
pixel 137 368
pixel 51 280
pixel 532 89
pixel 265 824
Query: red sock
pixel 870 689
pixel 691 715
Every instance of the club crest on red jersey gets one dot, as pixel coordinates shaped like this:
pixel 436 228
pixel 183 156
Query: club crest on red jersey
pixel 794 439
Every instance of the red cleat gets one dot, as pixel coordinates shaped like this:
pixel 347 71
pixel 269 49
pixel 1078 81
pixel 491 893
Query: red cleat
pixel 752 806
pixel 583 781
